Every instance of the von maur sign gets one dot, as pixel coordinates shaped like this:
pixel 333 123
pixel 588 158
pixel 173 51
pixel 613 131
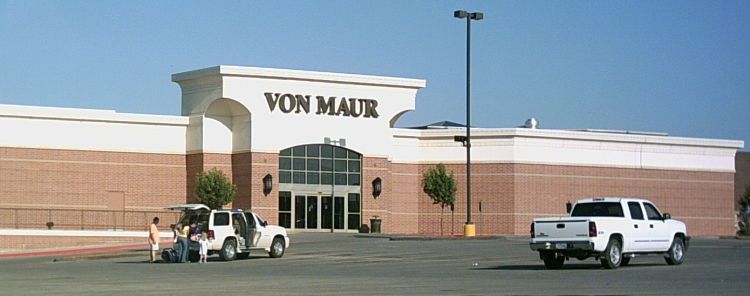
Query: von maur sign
pixel 334 106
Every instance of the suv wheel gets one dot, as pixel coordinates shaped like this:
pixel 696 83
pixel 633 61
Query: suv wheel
pixel 228 250
pixel 277 248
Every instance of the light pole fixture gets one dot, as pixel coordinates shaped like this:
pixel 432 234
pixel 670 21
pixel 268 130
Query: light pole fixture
pixel 469 229
pixel 267 184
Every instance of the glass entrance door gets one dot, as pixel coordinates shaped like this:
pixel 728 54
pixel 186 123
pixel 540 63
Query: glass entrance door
pixel 320 212
pixel 332 214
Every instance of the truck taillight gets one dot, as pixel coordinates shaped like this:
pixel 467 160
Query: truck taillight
pixel 592 229
pixel 211 234
pixel 532 230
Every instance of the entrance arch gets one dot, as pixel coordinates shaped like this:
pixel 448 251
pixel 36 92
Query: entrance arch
pixel 320 188
pixel 226 127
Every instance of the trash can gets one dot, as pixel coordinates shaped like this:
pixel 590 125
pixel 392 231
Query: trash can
pixel 375 225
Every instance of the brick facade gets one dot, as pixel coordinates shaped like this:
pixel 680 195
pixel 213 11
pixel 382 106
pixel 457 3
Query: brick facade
pixel 73 179
pixel 511 194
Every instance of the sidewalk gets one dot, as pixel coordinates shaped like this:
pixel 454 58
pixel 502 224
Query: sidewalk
pixel 86 242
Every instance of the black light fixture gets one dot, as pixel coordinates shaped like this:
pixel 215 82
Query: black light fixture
pixel 267 184
pixel 377 187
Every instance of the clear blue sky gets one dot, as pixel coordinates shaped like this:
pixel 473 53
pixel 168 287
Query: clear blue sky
pixel 680 67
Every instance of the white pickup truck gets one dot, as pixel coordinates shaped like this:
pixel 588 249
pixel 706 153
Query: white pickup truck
pixel 612 230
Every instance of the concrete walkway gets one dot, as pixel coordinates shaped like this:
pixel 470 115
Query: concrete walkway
pixel 93 248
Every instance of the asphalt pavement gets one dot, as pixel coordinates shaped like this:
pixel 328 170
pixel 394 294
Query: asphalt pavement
pixel 347 264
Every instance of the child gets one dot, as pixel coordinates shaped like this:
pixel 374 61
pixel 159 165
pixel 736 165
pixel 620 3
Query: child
pixel 204 247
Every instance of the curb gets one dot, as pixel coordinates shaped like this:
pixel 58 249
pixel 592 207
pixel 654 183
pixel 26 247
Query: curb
pixel 83 250
pixel 428 238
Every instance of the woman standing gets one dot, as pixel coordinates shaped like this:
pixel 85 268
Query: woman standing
pixel 182 241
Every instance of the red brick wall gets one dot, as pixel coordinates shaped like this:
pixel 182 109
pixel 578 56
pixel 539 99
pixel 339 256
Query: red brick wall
pixel 266 206
pixel 241 174
pixel 59 179
pixel 703 200
pixel 513 194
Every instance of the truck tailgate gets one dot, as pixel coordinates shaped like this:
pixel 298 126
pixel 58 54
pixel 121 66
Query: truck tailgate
pixel 561 228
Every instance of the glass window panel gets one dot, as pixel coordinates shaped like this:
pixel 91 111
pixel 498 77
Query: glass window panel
pixel 285 177
pixel 313 150
pixel 353 222
pixel 354 179
pixel 353 202
pixel 353 155
pixel 285 201
pixel 326 165
pixel 298 164
pixel 354 166
pixel 635 211
pixel 298 178
pixel 312 212
pixel 285 220
pixel 313 178
pixel 326 178
pixel 298 151
pixel 299 211
pixel 285 163
pixel 651 212
pixel 340 152
pixel 221 219
pixel 326 151
pixel 340 165
pixel 340 179
pixel 286 152
pixel 313 164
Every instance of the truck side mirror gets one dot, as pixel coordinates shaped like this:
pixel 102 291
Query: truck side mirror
pixel 264 223
pixel 667 216
pixel 568 207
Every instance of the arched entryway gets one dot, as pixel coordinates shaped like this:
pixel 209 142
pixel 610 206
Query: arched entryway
pixel 320 188
pixel 219 137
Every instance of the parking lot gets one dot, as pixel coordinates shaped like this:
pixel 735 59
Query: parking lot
pixel 343 264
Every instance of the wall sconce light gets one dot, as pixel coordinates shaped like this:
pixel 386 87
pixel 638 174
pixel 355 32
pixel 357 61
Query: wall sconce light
pixel 377 187
pixel 267 184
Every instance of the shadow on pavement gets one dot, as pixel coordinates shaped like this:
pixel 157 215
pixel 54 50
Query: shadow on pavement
pixel 210 260
pixel 566 266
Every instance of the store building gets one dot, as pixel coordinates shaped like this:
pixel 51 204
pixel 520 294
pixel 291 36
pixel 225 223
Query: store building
pixel 319 151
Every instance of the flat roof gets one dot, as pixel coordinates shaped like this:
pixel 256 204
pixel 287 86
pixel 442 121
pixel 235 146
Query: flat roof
pixel 285 74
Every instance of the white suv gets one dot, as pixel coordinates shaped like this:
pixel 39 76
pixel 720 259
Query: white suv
pixel 233 233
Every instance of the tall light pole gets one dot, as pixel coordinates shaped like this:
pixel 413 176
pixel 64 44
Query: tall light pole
pixel 469 229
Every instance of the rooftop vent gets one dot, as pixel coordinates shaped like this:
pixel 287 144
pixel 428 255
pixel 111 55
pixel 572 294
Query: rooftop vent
pixel 531 123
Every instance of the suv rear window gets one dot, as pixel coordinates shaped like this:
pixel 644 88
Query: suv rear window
pixel 598 209
pixel 201 219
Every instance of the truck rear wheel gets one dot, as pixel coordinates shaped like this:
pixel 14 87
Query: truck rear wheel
pixel 613 254
pixel 552 261
pixel 676 253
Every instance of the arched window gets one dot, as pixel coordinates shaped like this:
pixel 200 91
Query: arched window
pixel 318 164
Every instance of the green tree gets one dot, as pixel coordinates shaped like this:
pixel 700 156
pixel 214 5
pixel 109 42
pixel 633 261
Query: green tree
pixel 744 224
pixel 214 189
pixel 441 188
